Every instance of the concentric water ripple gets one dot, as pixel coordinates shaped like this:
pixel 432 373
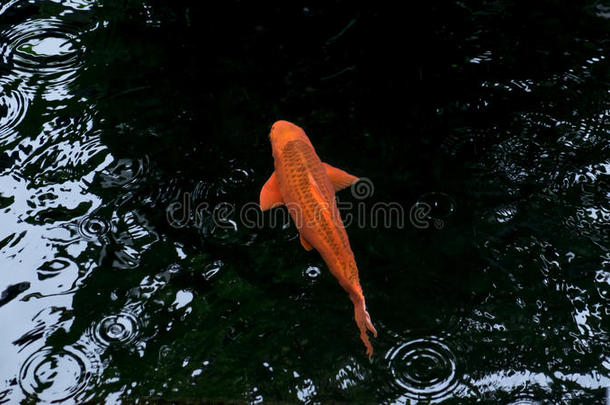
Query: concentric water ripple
pixel 425 368
pixel 46 48
pixel 431 209
pixel 441 205
pixel 166 193
pixel 125 173
pixel 13 107
pixel 312 273
pixel 524 401
pixel 92 227
pixel 57 375
pixel 119 329
pixel 237 178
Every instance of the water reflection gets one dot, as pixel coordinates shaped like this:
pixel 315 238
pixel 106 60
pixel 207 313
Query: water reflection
pixel 127 173
pixel 210 270
pixel 12 291
pixel 134 235
pixel 602 279
pixel 53 268
pixel 13 108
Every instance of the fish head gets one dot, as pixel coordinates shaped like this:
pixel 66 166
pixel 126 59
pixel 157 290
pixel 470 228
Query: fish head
pixel 283 132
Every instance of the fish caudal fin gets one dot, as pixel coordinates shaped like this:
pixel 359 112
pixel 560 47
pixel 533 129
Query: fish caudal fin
pixel 363 320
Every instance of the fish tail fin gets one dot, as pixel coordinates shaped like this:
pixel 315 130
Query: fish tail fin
pixel 363 320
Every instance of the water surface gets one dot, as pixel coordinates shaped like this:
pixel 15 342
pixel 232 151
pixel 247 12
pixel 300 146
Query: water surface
pixel 133 134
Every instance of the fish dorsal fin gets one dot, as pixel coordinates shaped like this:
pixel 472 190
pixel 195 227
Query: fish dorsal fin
pixel 271 196
pixel 338 177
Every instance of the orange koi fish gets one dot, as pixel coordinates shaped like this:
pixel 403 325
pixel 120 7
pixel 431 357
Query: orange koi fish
pixel 307 187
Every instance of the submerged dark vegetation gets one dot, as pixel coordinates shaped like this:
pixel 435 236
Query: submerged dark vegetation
pixel 487 122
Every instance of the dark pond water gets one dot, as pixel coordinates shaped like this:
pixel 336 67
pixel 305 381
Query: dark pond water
pixel 134 142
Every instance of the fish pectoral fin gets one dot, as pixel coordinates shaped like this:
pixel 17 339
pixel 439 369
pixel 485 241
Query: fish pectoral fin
pixel 305 244
pixel 271 196
pixel 338 177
